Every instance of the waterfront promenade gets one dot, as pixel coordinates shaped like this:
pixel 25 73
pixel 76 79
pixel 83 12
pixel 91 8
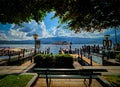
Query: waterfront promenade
pixel 41 82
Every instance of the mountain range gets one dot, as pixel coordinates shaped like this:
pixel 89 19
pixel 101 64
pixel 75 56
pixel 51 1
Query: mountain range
pixel 74 40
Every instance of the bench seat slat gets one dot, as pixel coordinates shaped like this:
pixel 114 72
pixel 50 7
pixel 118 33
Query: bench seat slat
pixel 69 73
pixel 69 70
pixel 69 76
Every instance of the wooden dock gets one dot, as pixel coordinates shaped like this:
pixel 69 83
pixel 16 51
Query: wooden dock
pixel 85 59
pixel 75 56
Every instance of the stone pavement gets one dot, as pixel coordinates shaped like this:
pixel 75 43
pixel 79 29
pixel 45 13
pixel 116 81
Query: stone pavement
pixel 41 82
pixel 16 69
pixel 112 70
pixel 66 83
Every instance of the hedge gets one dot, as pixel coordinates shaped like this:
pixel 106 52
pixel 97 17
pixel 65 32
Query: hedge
pixel 53 61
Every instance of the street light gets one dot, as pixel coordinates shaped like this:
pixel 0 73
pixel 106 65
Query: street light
pixel 35 36
pixel 107 36
pixel 107 43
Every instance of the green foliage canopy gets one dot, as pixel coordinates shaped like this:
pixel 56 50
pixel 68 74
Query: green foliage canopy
pixel 77 14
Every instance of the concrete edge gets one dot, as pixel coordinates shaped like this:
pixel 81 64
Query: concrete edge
pixel 104 82
pixel 32 81
pixel 29 67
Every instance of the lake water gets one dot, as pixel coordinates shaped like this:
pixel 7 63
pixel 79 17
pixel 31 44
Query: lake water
pixel 53 48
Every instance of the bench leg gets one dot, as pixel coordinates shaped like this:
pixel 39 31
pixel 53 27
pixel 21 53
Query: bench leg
pixel 48 81
pixel 90 80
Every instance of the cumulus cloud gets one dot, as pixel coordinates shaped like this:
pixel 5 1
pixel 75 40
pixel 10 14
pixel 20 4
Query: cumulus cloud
pixel 18 35
pixel 26 30
pixel 3 36
pixel 57 32
pixel 41 29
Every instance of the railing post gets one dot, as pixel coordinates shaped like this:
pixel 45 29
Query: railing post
pixel 19 61
pixel 9 53
pixel 103 58
pixel 31 57
pixel 81 53
pixel 91 60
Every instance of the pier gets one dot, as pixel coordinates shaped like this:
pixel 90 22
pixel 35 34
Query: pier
pixel 89 61
pixel 85 59
pixel 16 57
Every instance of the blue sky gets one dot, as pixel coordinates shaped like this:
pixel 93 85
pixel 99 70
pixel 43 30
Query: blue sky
pixel 46 28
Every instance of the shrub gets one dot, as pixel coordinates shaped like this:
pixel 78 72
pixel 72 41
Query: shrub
pixel 48 61
pixel 53 61
pixel 38 59
pixel 43 60
pixel 63 61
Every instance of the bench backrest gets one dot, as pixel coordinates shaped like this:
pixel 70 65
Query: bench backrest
pixel 69 71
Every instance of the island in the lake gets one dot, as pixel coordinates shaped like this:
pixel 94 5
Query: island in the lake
pixel 61 43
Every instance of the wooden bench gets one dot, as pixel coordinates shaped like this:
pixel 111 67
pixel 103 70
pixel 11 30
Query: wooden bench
pixel 49 73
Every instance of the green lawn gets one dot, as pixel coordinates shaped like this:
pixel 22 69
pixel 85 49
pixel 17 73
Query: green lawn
pixel 14 80
pixel 113 79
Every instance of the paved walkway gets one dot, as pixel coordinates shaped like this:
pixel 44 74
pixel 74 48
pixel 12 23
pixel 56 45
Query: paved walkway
pixel 66 83
pixel 15 69
pixel 112 70
pixel 77 65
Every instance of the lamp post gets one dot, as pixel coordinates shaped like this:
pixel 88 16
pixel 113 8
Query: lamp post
pixel 107 36
pixel 107 41
pixel 70 47
pixel 107 44
pixel 35 36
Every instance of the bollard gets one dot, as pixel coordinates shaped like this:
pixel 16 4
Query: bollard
pixel 103 58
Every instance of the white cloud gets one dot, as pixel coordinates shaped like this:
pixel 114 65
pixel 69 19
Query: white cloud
pixel 66 32
pixel 3 36
pixel 26 31
pixel 56 32
pixel 18 35
pixel 41 30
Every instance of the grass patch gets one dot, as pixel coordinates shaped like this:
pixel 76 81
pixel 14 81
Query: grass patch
pixel 14 80
pixel 113 79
